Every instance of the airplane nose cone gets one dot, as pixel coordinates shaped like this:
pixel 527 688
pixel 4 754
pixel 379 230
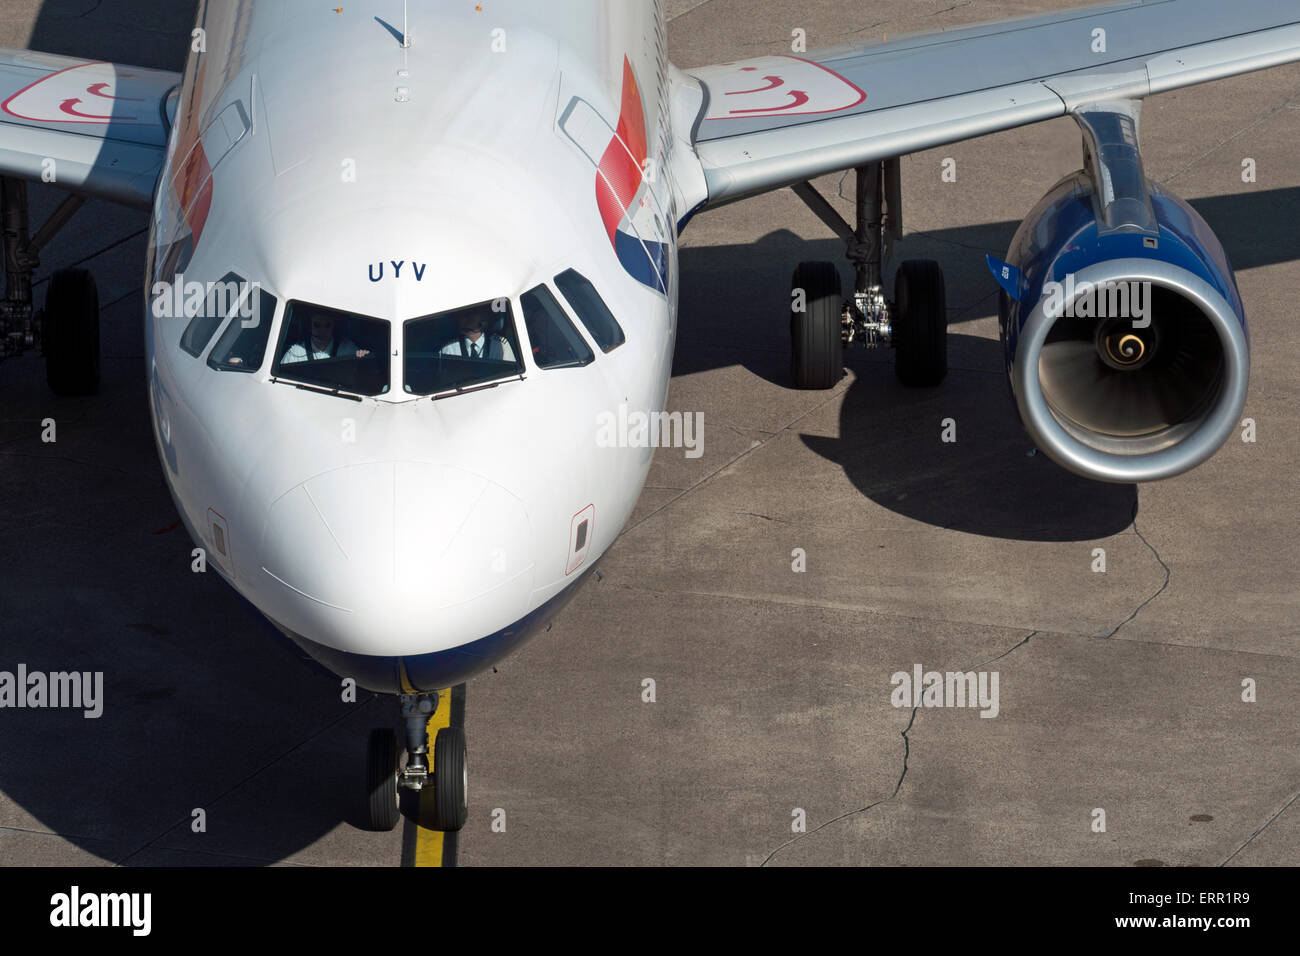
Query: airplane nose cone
pixel 400 557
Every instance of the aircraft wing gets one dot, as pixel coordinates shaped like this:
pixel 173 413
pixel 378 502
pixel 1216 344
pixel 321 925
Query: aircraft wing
pixel 95 128
pixel 779 120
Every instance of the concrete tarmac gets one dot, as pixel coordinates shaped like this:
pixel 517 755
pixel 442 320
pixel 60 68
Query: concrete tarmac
pixel 1118 691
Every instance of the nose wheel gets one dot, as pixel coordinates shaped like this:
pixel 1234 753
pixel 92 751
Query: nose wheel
pixel 387 776
pixel 450 780
pixel 384 808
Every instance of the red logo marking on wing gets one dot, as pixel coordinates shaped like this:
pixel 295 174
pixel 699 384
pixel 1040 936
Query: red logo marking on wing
pixel 67 107
pixel 97 89
pixel 799 99
pixel 772 83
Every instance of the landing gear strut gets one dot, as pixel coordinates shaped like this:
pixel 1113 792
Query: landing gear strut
pixel 387 777
pixel 822 325
pixel 67 331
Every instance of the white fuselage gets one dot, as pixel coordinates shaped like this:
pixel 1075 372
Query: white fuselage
pixel 406 540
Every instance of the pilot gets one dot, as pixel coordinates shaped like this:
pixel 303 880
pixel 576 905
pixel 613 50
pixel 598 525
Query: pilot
pixel 326 342
pixel 475 341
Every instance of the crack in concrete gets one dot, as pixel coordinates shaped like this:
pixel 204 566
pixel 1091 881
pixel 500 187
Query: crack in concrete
pixel 1004 653
pixel 981 304
pixel 961 245
pixel 120 298
pixel 96 254
pixel 907 750
pixel 869 26
pixel 907 753
pixel 755 514
pixel 832 395
pixel 1237 135
pixel 1266 825
pixel 1159 591
pixel 840 188
pixel 823 605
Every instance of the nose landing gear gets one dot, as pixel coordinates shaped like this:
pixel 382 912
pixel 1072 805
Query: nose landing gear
pixel 387 777
pixel 822 324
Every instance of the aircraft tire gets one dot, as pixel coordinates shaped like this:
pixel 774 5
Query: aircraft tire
pixel 920 324
pixel 816 331
pixel 450 780
pixel 70 333
pixel 381 780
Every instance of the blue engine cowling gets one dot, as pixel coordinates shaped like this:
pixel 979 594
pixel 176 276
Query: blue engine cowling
pixel 1155 385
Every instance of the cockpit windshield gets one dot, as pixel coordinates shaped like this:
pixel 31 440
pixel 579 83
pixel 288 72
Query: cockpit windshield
pixel 461 348
pixel 333 350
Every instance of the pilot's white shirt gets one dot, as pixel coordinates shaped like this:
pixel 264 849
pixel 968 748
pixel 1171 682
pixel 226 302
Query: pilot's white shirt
pixel 484 341
pixel 298 352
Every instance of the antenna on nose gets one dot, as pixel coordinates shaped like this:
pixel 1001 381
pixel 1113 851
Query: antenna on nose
pixel 406 26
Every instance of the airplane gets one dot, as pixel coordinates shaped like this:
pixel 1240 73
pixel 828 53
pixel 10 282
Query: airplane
pixel 403 257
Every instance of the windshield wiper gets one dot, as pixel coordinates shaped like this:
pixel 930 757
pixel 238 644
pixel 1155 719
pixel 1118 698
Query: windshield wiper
pixel 466 389
pixel 322 390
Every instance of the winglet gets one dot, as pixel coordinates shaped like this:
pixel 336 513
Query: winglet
pixel 1008 276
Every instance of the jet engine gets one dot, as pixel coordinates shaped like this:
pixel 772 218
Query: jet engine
pixel 1123 331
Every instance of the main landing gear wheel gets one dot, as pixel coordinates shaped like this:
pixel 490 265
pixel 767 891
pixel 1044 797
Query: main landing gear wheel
pixel 915 323
pixel 450 780
pixel 70 333
pixel 816 332
pixel 381 780
pixel 920 324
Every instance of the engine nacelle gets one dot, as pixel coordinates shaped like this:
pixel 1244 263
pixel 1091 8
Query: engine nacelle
pixel 1123 331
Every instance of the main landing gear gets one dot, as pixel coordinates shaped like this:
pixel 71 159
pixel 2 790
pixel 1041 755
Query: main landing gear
pixel 67 330
pixel 823 323
pixel 386 778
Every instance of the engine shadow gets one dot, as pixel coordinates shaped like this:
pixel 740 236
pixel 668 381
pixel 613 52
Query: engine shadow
pixel 987 480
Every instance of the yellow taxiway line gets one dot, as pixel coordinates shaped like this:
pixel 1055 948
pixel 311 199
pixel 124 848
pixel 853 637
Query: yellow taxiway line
pixel 427 846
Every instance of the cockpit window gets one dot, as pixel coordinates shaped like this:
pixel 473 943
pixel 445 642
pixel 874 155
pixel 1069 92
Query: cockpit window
pixel 221 297
pixel 555 342
pixel 591 309
pixel 461 348
pixel 243 345
pixel 333 350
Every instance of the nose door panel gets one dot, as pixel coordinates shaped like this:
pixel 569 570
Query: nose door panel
pixel 390 554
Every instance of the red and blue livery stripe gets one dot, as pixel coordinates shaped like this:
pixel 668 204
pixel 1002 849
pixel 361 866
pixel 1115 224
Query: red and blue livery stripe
pixel 619 181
